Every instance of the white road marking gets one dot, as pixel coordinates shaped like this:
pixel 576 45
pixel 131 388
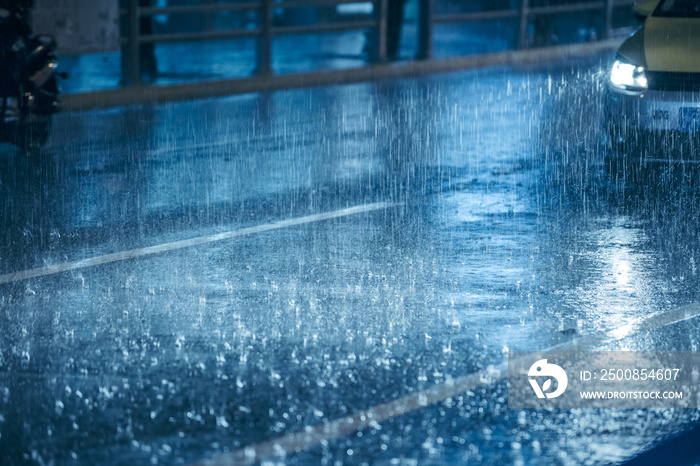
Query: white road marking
pixel 188 243
pixel 672 161
pixel 312 436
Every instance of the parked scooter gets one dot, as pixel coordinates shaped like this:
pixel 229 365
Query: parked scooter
pixel 28 84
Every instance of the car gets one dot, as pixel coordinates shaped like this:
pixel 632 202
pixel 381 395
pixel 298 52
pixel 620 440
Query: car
pixel 652 103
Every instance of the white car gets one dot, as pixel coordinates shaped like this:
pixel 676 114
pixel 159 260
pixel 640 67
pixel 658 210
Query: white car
pixel 652 110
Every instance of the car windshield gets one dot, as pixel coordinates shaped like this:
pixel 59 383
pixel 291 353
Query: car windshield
pixel 678 9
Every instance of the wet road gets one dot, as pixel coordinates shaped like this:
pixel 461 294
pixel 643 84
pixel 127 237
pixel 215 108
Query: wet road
pixel 484 222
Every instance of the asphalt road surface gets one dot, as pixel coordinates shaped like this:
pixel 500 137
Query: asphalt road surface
pixel 236 279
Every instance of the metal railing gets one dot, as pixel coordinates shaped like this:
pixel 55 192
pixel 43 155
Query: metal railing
pixel 132 39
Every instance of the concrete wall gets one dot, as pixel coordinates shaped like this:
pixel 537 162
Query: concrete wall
pixel 80 26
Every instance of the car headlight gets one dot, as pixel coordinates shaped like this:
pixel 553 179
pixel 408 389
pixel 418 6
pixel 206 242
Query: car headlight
pixel 628 77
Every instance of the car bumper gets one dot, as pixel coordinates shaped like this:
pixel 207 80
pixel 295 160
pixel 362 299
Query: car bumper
pixel 655 126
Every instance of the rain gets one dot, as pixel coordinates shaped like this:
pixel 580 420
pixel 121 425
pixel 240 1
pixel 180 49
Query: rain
pixel 336 274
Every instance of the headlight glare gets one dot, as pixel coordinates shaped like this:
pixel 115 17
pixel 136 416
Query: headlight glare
pixel 627 76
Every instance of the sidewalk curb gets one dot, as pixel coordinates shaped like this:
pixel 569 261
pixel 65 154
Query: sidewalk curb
pixel 202 90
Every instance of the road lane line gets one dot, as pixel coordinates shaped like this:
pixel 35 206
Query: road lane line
pixel 312 436
pixel 175 245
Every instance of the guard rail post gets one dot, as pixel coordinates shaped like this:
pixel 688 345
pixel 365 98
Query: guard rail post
pixel 264 40
pixel 380 43
pixel 425 30
pixel 130 48
pixel 522 32
pixel 609 6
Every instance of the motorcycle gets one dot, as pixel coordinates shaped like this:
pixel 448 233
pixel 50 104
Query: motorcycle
pixel 28 86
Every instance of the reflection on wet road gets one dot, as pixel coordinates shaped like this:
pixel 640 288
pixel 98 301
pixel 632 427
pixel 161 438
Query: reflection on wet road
pixel 494 229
